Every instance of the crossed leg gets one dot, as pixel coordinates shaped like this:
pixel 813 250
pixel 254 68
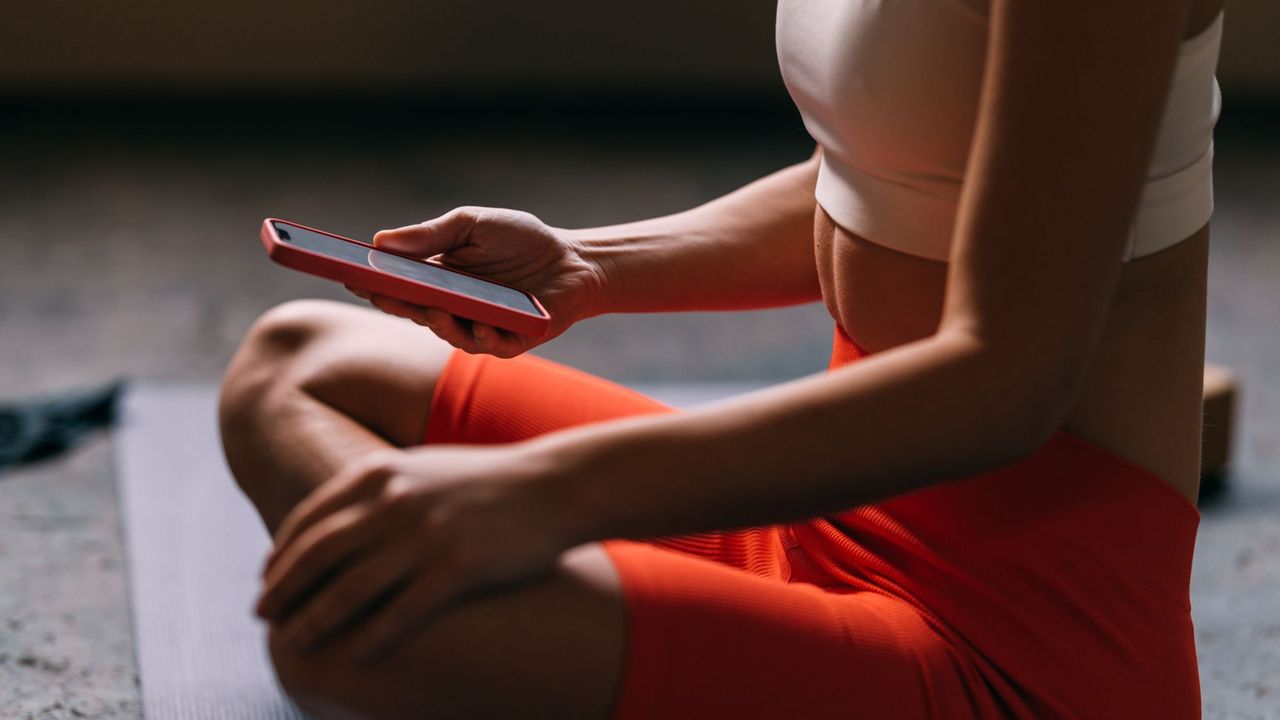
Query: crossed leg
pixel 718 624
pixel 318 385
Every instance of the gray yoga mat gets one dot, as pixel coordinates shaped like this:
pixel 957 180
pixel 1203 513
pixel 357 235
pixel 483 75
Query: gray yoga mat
pixel 195 547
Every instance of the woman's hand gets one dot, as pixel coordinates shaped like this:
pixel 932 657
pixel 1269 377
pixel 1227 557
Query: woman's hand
pixel 382 548
pixel 510 247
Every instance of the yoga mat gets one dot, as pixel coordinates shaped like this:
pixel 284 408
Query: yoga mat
pixel 195 547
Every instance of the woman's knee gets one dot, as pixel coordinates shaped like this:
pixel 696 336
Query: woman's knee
pixel 269 350
pixel 377 370
pixel 283 333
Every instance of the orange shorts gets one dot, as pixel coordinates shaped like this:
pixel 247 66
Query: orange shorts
pixel 720 624
pixel 813 620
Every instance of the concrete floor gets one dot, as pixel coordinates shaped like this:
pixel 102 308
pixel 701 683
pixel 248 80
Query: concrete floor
pixel 128 249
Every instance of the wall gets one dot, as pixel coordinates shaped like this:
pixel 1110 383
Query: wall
pixel 399 45
pixel 390 44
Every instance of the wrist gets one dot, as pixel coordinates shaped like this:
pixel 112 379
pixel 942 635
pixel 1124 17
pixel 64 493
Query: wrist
pixel 568 484
pixel 594 252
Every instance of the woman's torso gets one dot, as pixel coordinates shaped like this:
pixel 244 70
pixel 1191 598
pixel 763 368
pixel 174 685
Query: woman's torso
pixel 1142 397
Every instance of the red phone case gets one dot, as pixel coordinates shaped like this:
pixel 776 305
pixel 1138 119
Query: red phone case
pixel 410 291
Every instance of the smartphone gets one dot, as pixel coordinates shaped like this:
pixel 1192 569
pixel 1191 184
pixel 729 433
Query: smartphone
pixel 410 279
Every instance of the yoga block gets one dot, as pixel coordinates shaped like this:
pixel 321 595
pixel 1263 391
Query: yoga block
pixel 1220 391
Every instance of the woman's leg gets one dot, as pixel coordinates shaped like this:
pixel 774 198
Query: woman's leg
pixel 552 648
pixel 315 386
pixel 713 629
pixel 318 385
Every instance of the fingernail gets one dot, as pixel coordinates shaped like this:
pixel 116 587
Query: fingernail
pixel 384 238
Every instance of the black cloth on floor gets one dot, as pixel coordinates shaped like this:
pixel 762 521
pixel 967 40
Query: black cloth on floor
pixel 41 428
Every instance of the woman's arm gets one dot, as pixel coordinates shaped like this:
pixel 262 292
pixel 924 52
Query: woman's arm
pixel 1071 103
pixel 752 248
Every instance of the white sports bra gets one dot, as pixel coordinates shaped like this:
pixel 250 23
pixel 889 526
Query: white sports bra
pixel 890 89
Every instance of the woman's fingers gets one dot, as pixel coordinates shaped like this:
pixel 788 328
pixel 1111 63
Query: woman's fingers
pixel 374 575
pixel 453 330
pixel 485 336
pixel 449 328
pixel 314 556
pixel 430 237
pixel 472 337
pixel 358 292
pixel 392 306
pixel 356 484
pixel 509 344
pixel 399 308
pixel 478 337
pixel 429 593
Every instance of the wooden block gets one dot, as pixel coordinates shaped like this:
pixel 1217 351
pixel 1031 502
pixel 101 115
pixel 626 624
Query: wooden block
pixel 1220 391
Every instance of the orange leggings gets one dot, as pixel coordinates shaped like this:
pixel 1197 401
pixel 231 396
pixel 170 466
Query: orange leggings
pixel 1054 587
pixel 720 624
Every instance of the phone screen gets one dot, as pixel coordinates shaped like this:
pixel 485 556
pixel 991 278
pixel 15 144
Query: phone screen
pixel 415 270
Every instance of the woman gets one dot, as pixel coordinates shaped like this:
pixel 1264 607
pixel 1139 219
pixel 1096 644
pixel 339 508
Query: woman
pixel 984 509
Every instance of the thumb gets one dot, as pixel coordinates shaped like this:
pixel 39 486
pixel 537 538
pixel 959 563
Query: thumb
pixel 431 237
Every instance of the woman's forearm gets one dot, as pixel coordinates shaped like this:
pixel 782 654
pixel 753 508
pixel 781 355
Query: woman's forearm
pixel 752 248
pixel 889 424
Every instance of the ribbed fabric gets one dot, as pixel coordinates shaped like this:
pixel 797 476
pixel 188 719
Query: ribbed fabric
pixel 1065 576
pixel 480 399
pixel 1054 587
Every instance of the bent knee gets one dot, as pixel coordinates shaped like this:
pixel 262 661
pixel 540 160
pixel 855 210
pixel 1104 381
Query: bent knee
pixel 264 367
pixel 286 329
pixel 273 343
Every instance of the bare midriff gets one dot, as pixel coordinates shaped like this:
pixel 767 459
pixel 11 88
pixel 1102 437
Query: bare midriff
pixel 1141 398
pixel 1143 395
